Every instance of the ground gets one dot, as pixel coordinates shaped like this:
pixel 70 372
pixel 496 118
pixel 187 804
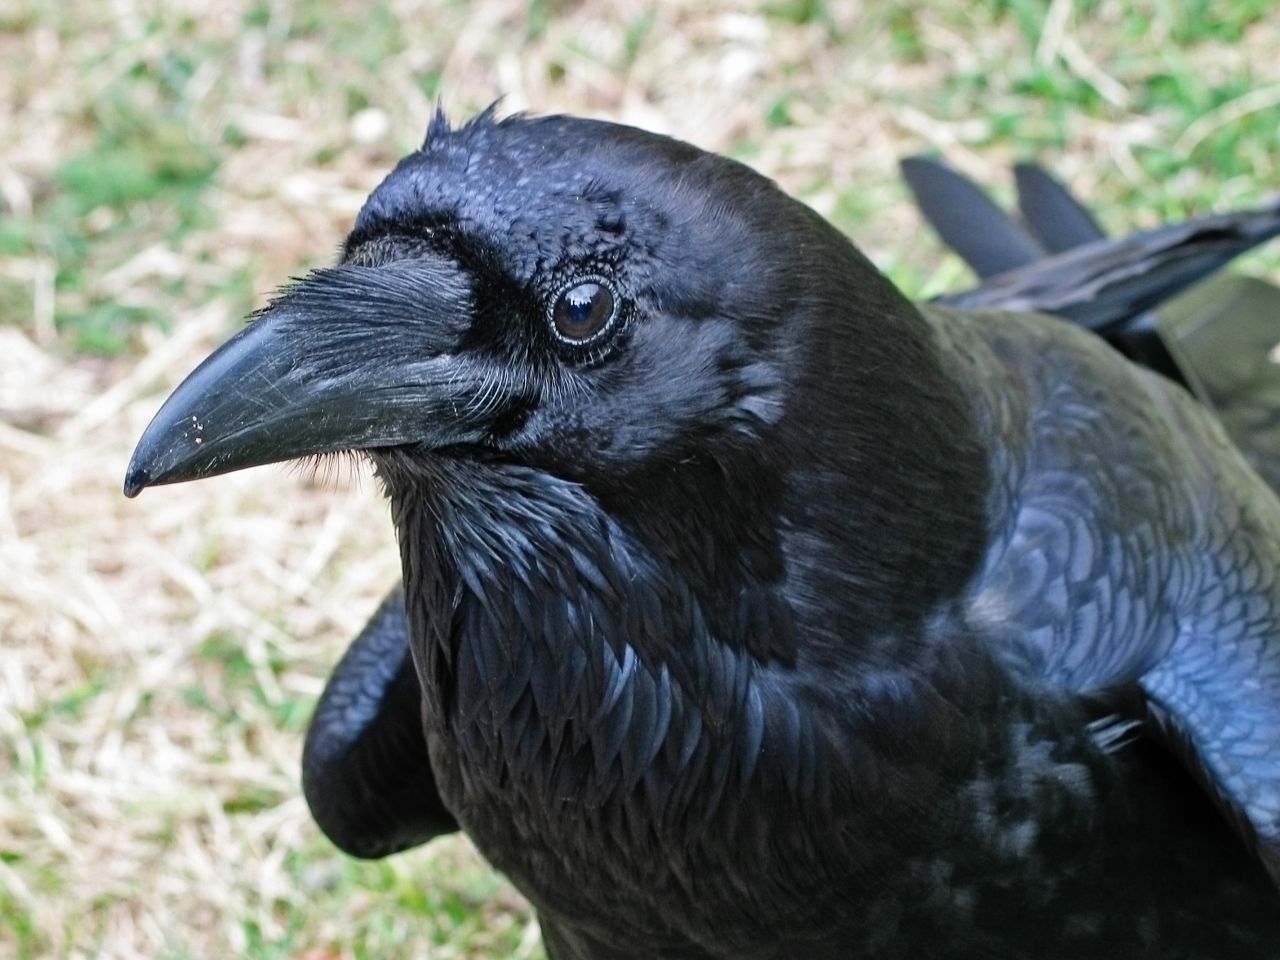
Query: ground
pixel 163 167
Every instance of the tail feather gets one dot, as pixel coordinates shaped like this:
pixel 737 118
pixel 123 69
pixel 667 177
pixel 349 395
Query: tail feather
pixel 1056 218
pixel 986 238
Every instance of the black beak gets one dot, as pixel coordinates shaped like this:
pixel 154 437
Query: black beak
pixel 349 358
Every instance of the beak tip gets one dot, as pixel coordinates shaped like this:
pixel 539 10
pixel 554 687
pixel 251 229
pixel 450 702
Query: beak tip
pixel 136 479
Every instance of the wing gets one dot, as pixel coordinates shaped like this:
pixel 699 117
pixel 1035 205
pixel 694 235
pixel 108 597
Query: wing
pixel 992 243
pixel 365 769
pixel 1060 222
pixel 1219 339
pixel 1134 547
pixel 1103 284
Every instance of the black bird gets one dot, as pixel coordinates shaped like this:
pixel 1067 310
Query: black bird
pixel 363 768
pixel 1217 340
pixel 755 611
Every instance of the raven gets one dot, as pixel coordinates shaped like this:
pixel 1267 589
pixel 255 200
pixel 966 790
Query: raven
pixel 364 772
pixel 754 611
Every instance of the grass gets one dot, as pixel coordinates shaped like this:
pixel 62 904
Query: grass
pixel 164 167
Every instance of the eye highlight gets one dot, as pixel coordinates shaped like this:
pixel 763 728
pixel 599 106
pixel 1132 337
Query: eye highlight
pixel 583 311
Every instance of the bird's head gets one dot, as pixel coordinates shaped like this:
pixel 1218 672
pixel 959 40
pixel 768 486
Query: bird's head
pixel 588 298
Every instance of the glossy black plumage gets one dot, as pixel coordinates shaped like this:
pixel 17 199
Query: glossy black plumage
pixel 785 619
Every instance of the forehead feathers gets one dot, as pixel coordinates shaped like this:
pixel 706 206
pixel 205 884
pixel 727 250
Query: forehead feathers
pixel 560 187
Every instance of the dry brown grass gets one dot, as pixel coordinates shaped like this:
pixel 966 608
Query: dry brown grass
pixel 159 657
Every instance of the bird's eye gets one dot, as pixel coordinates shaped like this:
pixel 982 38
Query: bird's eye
pixel 583 311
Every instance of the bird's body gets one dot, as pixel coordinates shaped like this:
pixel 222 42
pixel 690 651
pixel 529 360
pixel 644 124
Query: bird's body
pixel 772 616
pixel 579 756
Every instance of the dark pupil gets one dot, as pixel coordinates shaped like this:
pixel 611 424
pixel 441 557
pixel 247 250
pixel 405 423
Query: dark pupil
pixel 583 311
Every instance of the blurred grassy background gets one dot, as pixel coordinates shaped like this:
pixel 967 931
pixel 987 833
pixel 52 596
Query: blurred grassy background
pixel 164 164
